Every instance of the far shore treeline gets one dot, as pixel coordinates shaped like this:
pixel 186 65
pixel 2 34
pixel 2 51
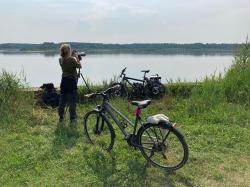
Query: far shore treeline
pixel 140 48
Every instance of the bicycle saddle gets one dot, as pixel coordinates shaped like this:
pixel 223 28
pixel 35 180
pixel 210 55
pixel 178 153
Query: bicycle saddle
pixel 146 71
pixel 141 104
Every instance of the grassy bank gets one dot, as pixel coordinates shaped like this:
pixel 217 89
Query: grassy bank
pixel 214 117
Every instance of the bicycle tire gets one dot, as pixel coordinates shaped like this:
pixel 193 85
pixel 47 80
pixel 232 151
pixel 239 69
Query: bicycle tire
pixel 98 130
pixel 160 93
pixel 158 147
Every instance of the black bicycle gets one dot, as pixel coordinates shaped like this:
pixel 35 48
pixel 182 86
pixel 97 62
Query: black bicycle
pixel 140 88
pixel 158 138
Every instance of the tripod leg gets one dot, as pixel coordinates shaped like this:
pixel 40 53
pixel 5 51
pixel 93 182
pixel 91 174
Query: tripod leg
pixel 86 83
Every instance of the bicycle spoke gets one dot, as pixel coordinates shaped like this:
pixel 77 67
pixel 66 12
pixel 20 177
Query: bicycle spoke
pixel 156 135
pixel 148 143
pixel 164 156
pixel 152 152
pixel 149 135
pixel 146 148
pixel 153 133
pixel 166 136
pixel 161 133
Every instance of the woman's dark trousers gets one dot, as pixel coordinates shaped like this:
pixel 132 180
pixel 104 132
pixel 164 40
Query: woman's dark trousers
pixel 70 99
pixel 68 96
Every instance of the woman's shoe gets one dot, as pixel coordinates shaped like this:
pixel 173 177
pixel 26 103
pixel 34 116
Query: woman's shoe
pixel 61 120
pixel 73 122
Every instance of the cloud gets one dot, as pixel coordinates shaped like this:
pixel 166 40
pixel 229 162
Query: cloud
pixel 100 9
pixel 124 20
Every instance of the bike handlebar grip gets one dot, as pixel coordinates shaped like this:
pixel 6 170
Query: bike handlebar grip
pixel 116 87
pixel 111 89
pixel 94 95
pixel 90 95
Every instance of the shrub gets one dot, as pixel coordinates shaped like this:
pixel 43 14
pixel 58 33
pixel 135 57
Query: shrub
pixel 9 85
pixel 237 78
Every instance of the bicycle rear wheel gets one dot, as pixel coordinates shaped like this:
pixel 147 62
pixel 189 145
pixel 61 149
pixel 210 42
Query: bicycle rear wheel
pixel 163 146
pixel 158 90
pixel 98 130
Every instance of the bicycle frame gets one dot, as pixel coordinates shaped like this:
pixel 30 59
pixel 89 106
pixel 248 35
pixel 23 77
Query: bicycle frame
pixel 126 80
pixel 107 107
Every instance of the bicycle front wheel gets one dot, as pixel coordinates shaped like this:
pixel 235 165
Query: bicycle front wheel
pixel 98 131
pixel 163 146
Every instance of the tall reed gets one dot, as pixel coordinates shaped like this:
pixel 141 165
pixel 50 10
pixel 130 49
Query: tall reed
pixel 234 86
pixel 13 100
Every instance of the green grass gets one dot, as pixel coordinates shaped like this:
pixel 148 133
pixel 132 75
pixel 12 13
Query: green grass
pixel 36 151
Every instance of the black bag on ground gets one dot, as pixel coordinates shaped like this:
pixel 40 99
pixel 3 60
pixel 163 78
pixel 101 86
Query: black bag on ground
pixel 49 95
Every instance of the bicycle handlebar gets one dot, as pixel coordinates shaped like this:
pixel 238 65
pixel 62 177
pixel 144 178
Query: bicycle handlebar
pixel 104 93
pixel 123 71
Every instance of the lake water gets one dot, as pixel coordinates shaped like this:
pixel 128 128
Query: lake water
pixel 40 68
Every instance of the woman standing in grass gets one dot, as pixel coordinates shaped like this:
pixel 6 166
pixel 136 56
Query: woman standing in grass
pixel 69 64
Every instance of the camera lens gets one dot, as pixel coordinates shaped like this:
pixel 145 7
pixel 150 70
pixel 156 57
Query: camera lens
pixel 79 57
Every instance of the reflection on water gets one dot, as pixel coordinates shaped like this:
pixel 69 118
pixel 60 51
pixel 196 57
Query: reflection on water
pixel 42 68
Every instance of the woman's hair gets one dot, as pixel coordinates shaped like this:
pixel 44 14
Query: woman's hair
pixel 65 51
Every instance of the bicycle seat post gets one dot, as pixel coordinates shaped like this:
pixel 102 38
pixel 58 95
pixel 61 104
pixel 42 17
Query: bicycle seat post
pixel 145 72
pixel 138 111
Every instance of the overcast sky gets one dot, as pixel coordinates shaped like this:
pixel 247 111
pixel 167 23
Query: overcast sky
pixel 124 21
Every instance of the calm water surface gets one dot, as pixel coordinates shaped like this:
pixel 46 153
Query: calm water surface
pixel 40 69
